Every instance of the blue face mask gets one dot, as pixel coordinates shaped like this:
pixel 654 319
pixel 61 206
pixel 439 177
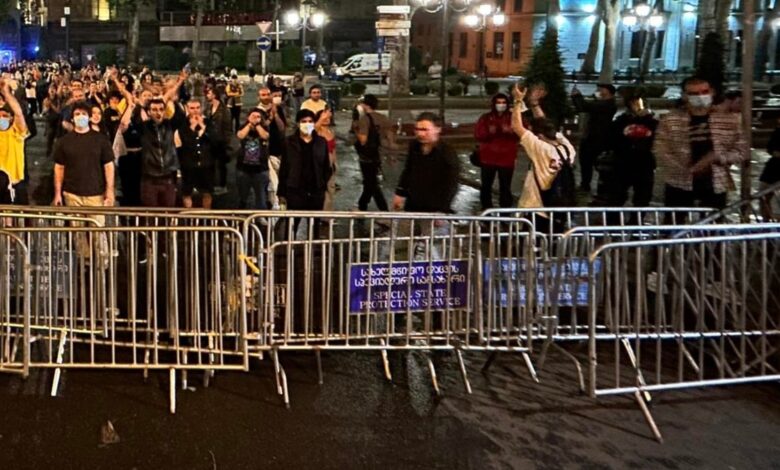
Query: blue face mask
pixel 5 123
pixel 81 121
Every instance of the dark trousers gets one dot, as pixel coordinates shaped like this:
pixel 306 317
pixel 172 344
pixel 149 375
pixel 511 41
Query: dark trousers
pixel 676 197
pixel 130 178
pixel 504 186
pixel 589 151
pixel 235 114
pixel 301 201
pixel 158 192
pixel 371 187
pixel 252 182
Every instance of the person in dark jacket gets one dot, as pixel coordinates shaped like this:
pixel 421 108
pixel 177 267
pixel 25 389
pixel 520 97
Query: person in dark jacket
pixel 429 180
pixel 600 113
pixel 219 116
pixel 630 164
pixel 305 169
pixel 497 152
pixel 195 141
pixel 159 162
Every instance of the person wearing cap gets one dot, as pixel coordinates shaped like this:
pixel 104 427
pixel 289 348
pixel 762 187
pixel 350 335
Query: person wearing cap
pixel 370 129
pixel 13 131
pixel 305 169
pixel 594 140
pixel 631 164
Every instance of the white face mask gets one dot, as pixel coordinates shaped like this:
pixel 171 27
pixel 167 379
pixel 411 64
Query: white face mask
pixel 277 100
pixel 501 107
pixel 700 101
pixel 306 127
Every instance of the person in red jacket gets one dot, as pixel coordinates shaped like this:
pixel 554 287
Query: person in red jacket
pixel 497 151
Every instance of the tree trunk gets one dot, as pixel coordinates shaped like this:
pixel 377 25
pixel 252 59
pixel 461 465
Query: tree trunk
pixel 198 4
pixel 762 45
pixel 648 53
pixel 611 9
pixel 133 34
pixel 589 64
pixel 399 70
pixel 713 17
pixel 553 10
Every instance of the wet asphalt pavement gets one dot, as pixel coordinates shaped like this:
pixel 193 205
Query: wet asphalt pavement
pixel 357 419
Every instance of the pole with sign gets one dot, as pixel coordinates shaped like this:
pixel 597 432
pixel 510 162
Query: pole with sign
pixel 264 44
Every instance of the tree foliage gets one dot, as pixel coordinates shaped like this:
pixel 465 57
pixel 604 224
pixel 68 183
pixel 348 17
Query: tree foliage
pixel 712 61
pixel 234 56
pixel 545 68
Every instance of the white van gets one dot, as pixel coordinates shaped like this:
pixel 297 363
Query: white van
pixel 364 67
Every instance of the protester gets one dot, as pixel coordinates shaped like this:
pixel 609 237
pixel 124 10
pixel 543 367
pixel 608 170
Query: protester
pixel 315 103
pixel 323 128
pixel 218 115
pixel 194 142
pixel 13 131
pixel 628 162
pixel 83 164
pixel 235 94
pixel 429 160
pixel 305 169
pixel 252 163
pixel 369 129
pixel 497 152
pixel 272 105
pixel 594 140
pixel 695 148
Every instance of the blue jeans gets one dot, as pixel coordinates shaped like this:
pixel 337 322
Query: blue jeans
pixel 256 182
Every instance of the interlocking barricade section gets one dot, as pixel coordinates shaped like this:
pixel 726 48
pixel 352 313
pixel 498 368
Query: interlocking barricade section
pixel 14 304
pixel 385 281
pixel 709 316
pixel 136 297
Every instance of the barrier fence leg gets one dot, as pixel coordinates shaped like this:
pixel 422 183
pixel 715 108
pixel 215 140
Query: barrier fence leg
pixel 577 366
pixel 58 372
pixel 489 362
pixel 319 366
pixel 648 417
pixel 530 366
pixel 386 363
pixel 639 377
pixel 172 389
pixel 146 365
pixel 281 379
pixel 463 373
pixel 277 373
pixel 434 380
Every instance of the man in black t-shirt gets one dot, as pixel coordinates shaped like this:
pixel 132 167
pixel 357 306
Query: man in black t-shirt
pixel 83 164
pixel 252 163
pixel 369 130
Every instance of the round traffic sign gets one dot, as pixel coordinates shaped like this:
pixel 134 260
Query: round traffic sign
pixel 264 43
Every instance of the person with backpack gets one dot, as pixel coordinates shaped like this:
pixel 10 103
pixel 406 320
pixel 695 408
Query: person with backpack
pixel 497 152
pixel 369 129
pixel 550 181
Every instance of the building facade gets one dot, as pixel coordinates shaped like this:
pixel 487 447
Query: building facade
pixel 504 50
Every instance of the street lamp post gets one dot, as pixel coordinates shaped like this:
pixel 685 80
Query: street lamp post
pixel 446 7
pixel 310 21
pixel 479 22
pixel 647 19
pixel 66 20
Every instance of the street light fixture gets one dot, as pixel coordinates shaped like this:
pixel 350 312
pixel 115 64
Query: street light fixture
pixel 479 22
pixel 643 17
pixel 434 6
pixel 310 21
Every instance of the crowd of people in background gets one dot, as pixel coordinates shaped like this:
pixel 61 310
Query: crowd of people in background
pixel 173 138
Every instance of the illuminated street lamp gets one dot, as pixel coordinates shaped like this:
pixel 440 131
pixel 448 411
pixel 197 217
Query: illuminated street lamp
pixel 311 21
pixel 434 6
pixel 643 17
pixel 486 14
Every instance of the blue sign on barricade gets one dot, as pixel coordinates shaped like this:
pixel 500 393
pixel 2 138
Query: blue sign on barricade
pixel 573 288
pixel 402 287
pixel 45 264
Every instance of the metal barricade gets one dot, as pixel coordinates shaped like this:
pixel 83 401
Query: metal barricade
pixel 14 305
pixel 137 298
pixel 379 281
pixel 709 317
